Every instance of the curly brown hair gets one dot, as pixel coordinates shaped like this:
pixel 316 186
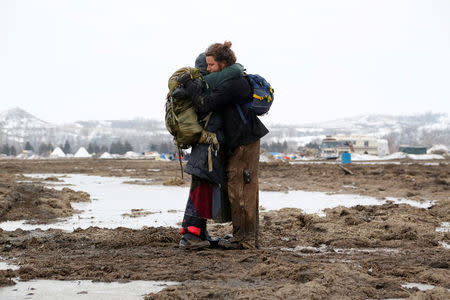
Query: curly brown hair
pixel 222 53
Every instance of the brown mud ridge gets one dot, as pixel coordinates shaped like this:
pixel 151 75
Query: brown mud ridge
pixel 35 203
pixel 363 252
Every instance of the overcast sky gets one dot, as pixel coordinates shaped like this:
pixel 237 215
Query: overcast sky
pixel 64 61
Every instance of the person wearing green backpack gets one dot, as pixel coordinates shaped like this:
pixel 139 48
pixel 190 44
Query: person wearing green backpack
pixel 228 96
pixel 208 192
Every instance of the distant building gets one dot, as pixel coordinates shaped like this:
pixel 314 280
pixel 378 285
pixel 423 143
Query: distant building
pixel 27 153
pixel 334 146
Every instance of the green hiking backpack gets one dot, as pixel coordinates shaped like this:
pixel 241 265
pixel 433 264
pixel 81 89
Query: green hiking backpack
pixel 181 119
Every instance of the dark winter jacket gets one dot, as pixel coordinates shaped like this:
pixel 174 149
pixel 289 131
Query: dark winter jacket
pixel 198 161
pixel 223 99
pixel 227 87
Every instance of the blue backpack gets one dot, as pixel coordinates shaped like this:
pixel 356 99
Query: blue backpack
pixel 262 96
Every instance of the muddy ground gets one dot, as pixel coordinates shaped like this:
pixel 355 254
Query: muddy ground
pixel 363 252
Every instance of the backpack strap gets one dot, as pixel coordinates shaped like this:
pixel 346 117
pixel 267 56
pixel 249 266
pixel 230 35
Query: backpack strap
pixel 206 119
pixel 181 164
pixel 238 107
pixel 247 105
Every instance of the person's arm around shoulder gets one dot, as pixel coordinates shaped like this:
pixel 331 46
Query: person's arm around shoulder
pixel 216 100
pixel 207 101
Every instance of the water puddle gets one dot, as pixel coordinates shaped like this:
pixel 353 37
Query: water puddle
pixel 324 249
pixel 420 286
pixel 307 249
pixel 116 204
pixel 359 162
pixel 306 162
pixel 444 244
pixel 316 202
pixel 81 289
pixel 4 265
pixel 445 227
pixel 349 186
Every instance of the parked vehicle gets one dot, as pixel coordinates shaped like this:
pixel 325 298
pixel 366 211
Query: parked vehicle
pixel 332 148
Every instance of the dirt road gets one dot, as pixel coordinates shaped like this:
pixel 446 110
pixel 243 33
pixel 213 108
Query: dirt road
pixel 352 253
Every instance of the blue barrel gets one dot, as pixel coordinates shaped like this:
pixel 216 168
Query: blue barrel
pixel 346 158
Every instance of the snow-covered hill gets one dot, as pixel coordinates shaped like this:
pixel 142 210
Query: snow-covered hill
pixel 18 118
pixel 18 126
pixel 422 129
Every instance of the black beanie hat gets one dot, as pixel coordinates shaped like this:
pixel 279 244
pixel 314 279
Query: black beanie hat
pixel 200 64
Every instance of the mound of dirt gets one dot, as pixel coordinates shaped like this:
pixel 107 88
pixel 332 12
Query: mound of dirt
pixel 5 278
pixel 33 202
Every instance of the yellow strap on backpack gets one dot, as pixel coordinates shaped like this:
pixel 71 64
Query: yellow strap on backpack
pixel 258 97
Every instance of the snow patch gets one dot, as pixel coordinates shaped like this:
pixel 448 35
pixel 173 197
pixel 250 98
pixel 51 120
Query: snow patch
pixel 106 155
pixel 438 149
pixel 131 154
pixel 425 156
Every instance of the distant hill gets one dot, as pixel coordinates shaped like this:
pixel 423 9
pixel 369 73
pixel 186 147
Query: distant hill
pixel 425 129
pixel 18 126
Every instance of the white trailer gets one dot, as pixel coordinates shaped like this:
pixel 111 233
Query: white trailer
pixel 333 146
